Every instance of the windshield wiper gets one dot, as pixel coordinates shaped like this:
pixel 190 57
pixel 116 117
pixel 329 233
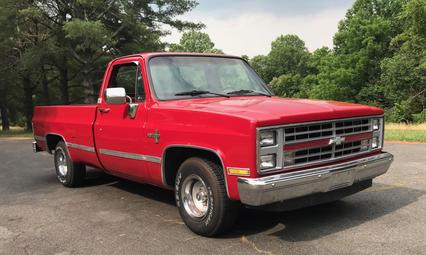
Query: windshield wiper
pixel 247 91
pixel 199 92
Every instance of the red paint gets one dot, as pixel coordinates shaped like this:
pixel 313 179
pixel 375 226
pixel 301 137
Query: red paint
pixel 224 125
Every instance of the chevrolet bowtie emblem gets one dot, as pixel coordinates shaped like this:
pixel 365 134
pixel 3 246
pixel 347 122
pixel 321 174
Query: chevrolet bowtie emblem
pixel 338 140
pixel 154 135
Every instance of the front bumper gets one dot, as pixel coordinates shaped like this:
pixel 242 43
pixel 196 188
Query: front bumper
pixel 280 187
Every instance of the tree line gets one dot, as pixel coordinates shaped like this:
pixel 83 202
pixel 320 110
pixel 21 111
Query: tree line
pixel 55 52
pixel 378 58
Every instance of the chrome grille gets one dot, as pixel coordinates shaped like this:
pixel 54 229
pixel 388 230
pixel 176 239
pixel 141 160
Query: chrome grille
pixel 318 142
pixel 296 134
pixel 311 155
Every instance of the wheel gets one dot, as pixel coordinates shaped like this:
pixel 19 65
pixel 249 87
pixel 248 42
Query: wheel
pixel 70 174
pixel 201 197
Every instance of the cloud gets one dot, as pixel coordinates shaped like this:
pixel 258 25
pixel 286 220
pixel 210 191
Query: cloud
pixel 251 33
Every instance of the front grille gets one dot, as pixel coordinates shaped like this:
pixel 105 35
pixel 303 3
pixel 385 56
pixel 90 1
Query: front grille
pixel 308 132
pixel 318 142
pixel 313 155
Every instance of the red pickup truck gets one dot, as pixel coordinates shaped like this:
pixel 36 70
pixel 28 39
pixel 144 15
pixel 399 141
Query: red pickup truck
pixel 207 127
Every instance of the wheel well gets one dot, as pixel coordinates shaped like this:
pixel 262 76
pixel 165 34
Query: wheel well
pixel 175 156
pixel 52 141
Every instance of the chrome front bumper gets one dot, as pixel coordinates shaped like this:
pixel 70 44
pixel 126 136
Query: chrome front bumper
pixel 280 187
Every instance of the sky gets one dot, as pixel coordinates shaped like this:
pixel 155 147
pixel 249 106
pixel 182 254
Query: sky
pixel 248 27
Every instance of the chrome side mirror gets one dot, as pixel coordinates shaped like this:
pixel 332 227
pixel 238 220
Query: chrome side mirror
pixel 115 95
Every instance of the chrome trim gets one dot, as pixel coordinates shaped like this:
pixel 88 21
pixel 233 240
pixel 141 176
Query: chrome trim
pixel 281 142
pixel 318 121
pixel 280 187
pixel 194 147
pixel 35 147
pixel 81 147
pixel 47 144
pixel 127 155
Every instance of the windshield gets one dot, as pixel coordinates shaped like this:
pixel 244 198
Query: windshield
pixel 177 77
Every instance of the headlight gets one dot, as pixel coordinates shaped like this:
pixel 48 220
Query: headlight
pixel 375 142
pixel 268 138
pixel 376 124
pixel 268 161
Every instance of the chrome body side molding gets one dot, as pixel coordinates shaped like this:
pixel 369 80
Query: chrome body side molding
pixel 81 147
pixel 130 155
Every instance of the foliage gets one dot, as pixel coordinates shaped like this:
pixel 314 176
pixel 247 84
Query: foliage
pixel 288 55
pixel 420 117
pixel 379 58
pixel 55 52
pixel 404 74
pixel 195 41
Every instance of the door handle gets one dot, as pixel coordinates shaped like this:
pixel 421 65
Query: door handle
pixel 104 110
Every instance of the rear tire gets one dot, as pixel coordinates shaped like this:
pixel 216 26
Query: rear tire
pixel 201 197
pixel 70 174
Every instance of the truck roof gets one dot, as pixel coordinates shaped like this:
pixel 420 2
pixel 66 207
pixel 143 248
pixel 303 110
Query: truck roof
pixel 148 55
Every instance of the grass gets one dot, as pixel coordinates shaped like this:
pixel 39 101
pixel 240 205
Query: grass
pixel 406 133
pixel 16 132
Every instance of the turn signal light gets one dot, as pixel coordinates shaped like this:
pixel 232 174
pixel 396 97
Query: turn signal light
pixel 239 171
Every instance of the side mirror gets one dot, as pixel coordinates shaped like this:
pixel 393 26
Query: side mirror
pixel 115 95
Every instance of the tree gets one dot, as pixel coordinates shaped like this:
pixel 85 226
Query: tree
pixel 286 85
pixel 260 65
pixel 195 41
pixel 288 55
pixel 404 74
pixel 361 43
pixel 55 51
pixel 8 60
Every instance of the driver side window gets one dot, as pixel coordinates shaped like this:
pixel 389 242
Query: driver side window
pixel 128 76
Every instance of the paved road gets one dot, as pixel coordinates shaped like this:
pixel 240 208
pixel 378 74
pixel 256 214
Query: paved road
pixel 114 216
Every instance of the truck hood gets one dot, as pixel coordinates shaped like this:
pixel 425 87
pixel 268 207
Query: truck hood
pixel 274 110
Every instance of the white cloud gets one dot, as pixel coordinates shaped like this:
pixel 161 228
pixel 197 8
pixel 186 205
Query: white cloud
pixel 252 33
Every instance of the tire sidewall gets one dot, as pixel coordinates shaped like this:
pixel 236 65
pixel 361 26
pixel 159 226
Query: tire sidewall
pixel 208 223
pixel 67 179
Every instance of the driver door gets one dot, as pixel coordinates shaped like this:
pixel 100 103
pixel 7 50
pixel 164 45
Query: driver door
pixel 119 138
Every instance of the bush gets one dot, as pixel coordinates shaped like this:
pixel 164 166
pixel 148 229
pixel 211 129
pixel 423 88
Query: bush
pixel 404 111
pixel 420 117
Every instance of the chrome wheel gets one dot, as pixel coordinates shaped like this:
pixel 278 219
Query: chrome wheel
pixel 195 197
pixel 61 162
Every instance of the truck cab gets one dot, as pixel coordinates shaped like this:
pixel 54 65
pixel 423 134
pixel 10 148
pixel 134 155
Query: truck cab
pixel 208 128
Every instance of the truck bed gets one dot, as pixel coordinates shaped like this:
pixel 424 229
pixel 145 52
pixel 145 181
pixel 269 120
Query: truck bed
pixel 74 123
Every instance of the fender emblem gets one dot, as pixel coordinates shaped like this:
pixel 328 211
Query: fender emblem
pixel 154 135
pixel 338 140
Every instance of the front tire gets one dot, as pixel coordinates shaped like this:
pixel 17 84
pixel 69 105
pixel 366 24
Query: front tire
pixel 69 173
pixel 201 197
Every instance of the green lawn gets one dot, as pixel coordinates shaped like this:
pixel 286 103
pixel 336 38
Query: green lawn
pixel 407 133
pixel 18 132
